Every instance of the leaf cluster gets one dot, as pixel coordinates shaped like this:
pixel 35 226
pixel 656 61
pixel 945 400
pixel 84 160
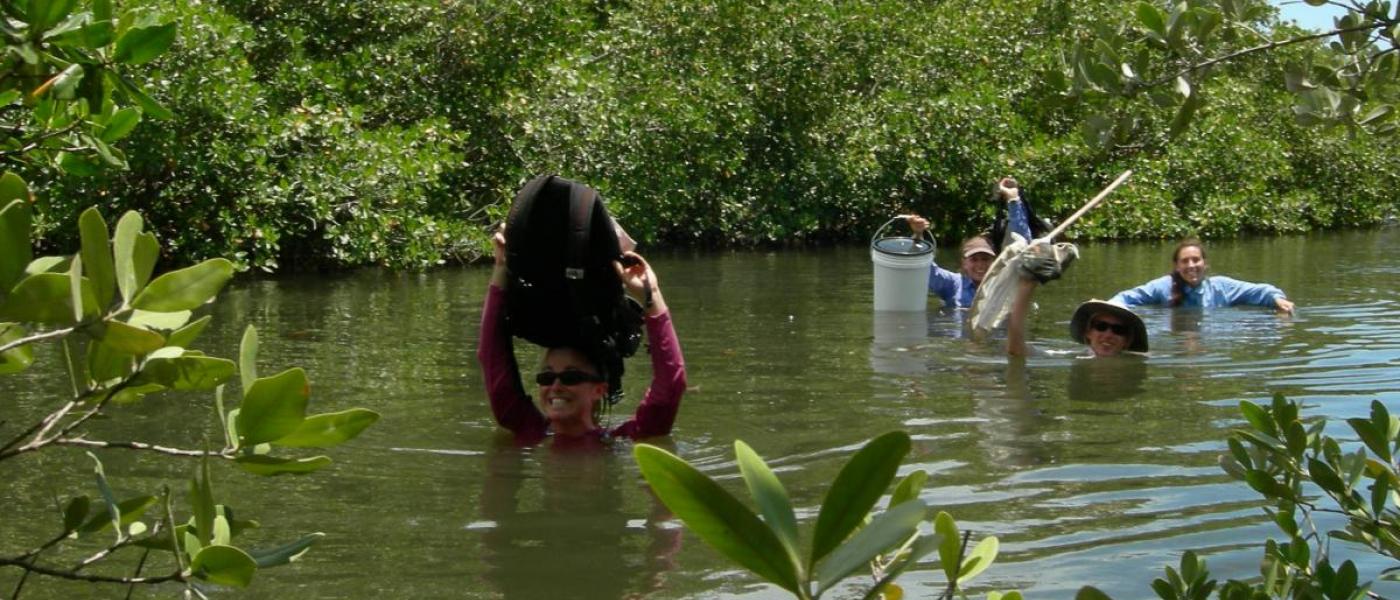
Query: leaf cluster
pixel 126 333
pixel 847 537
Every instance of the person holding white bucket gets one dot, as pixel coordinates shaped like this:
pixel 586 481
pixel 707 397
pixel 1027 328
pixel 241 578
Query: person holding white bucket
pixel 957 289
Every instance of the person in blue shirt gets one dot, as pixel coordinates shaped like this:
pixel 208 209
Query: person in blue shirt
pixel 1188 285
pixel 958 289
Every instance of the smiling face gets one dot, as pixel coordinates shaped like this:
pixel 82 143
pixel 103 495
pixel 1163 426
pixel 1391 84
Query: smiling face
pixel 569 406
pixel 1190 263
pixel 975 266
pixel 1107 335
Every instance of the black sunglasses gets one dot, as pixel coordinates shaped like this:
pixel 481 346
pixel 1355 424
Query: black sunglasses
pixel 1121 330
pixel 546 378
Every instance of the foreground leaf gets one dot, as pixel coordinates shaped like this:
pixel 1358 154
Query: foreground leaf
pixel 857 487
pixel 273 407
pixel 224 565
pixel 185 289
pixel 268 466
pixel 281 555
pixel 887 532
pixel 331 429
pixel 716 516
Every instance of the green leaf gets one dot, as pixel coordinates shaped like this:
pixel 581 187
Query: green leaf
pixel 75 288
pixel 1152 18
pixel 273 407
pixel 266 466
pixel 921 547
pixel 97 256
pixel 948 550
pixel 46 298
pixel 1325 477
pixel 15 248
pixel 770 496
pixel 144 257
pixel 716 516
pixel 281 555
pixel 886 532
pixel 78 164
pixel 120 124
pixel 202 502
pixel 105 363
pixel 136 341
pixel 114 512
pixel 186 335
pixel 1185 115
pixel 1091 593
pixel 1264 484
pixel 224 565
pixel 979 559
pixel 15 359
pixel 130 510
pixel 1258 418
pixel 76 512
pixel 248 357
pixel 332 429
pixel 187 288
pixel 148 105
pixel 164 321
pixel 1373 438
pixel 143 44
pixel 861 482
pixel 909 487
pixel 66 81
pixel 123 254
pixel 49 264
pixel 186 372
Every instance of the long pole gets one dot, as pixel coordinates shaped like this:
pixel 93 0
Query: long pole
pixel 1088 206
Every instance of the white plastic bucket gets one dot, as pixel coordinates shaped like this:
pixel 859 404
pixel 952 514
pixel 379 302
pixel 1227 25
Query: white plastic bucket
pixel 901 270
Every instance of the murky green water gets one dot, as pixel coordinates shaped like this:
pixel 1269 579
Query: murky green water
pixel 1090 473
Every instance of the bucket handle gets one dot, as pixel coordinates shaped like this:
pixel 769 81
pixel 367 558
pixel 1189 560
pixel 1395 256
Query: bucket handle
pixel 931 241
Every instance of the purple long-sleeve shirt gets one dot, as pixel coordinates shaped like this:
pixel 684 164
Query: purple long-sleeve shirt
pixel 516 411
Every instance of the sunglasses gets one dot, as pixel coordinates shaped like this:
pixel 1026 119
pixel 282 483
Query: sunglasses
pixel 546 378
pixel 1120 330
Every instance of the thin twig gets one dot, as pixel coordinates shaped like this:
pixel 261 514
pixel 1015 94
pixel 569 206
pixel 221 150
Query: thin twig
pixel 957 566
pixel 102 554
pixel 1262 48
pixel 81 441
pixel 4 450
pixel 36 142
pixel 61 574
pixel 35 338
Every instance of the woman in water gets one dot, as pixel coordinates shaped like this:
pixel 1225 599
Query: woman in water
pixel 572 389
pixel 1107 328
pixel 1188 285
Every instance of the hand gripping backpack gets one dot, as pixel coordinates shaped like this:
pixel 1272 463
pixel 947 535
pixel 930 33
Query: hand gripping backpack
pixel 563 290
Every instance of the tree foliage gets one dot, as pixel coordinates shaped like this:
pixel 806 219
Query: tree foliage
pixel 328 132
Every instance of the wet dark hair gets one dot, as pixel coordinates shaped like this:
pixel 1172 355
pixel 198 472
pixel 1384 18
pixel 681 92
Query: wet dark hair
pixel 1178 282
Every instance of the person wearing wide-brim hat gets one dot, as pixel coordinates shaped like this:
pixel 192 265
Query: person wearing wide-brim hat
pixel 1108 329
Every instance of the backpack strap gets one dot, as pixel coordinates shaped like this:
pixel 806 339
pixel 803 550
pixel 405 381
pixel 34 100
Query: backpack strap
pixel 518 219
pixel 581 199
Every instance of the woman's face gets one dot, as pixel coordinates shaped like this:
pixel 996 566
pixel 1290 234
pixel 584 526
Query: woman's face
pixel 570 402
pixel 1107 334
pixel 1191 264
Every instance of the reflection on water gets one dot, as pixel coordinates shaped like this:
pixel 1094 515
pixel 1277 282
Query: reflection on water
pixel 1090 471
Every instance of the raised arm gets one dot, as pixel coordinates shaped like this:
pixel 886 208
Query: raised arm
pixel 657 411
pixel 1040 263
pixel 509 403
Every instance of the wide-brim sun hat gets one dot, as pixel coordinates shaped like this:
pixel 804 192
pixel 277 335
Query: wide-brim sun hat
pixel 1079 323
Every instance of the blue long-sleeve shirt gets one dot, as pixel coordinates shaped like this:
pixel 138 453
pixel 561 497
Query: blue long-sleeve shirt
pixel 956 289
pixel 1214 291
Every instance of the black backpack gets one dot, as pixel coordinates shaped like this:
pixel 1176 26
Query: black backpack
pixel 563 290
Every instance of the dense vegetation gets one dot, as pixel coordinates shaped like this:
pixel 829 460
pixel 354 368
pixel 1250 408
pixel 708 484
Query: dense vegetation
pixel 331 132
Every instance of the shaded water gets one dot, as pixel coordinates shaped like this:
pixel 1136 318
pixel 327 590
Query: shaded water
pixel 1090 472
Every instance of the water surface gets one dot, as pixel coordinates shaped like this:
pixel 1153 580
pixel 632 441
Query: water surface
pixel 1090 472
